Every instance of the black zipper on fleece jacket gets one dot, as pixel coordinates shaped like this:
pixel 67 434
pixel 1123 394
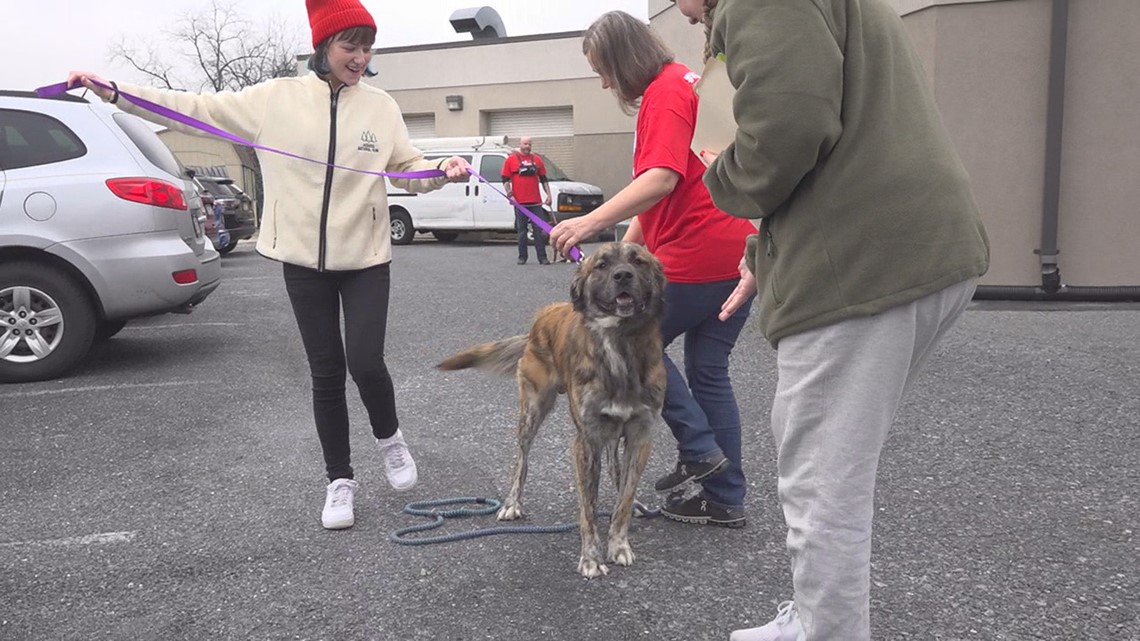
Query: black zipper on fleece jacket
pixel 322 250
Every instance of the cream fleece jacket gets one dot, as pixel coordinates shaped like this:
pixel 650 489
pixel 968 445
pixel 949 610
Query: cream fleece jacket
pixel 313 216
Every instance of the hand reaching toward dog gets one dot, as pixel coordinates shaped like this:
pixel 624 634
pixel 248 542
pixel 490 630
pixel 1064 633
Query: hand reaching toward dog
pixel 569 233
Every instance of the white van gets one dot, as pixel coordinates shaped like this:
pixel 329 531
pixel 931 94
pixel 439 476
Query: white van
pixel 473 206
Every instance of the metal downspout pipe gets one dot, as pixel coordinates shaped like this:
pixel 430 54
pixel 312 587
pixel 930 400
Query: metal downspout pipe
pixel 1051 287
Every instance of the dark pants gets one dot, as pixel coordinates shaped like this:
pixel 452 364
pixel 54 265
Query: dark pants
pixel 522 222
pixel 700 408
pixel 317 298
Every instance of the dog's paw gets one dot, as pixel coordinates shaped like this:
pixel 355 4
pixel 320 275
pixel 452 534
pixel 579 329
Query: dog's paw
pixel 620 553
pixel 509 512
pixel 591 568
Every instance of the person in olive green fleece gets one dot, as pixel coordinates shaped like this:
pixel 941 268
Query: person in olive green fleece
pixel 869 249
pixel 328 226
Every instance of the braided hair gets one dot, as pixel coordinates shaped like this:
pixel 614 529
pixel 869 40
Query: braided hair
pixel 707 20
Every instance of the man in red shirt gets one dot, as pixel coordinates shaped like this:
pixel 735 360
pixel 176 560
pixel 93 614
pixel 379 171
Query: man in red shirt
pixel 523 172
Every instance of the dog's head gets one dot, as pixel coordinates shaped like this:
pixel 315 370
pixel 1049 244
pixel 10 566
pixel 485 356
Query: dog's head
pixel 621 281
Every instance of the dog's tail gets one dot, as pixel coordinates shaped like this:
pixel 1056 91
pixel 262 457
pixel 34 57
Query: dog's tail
pixel 500 357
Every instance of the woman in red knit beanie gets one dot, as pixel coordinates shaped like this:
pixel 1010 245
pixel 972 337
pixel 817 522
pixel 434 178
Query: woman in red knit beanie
pixel 329 228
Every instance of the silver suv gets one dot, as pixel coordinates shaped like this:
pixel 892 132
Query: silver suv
pixel 98 224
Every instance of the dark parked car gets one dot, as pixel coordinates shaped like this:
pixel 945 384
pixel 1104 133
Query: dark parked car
pixel 214 223
pixel 240 220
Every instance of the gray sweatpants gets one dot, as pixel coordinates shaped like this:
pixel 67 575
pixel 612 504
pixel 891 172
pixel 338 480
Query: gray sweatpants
pixel 838 391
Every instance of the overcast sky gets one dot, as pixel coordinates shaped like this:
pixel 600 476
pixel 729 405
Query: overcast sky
pixel 41 40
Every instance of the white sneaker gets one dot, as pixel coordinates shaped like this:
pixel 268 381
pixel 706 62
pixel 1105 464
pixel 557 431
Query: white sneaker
pixel 398 462
pixel 785 627
pixel 337 514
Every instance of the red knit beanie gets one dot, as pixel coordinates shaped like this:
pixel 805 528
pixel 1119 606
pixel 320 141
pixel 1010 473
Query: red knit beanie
pixel 330 17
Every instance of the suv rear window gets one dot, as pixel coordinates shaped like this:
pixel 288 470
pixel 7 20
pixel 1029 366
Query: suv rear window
pixel 28 139
pixel 219 190
pixel 149 143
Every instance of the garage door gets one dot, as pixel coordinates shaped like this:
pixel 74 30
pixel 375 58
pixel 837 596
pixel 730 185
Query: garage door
pixel 420 125
pixel 552 129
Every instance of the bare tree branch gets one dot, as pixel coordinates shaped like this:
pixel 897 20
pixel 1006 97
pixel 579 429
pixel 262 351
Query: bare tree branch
pixel 216 48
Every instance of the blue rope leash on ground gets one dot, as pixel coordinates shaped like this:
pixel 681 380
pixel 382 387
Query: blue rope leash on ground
pixel 486 506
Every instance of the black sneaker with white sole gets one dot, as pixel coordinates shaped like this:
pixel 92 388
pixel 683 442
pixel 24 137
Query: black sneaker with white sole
pixel 690 471
pixel 701 511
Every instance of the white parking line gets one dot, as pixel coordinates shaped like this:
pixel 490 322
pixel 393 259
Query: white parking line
pixel 177 325
pixel 91 539
pixel 102 388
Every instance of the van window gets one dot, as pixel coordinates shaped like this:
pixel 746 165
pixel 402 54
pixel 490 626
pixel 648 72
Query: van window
pixel 148 143
pixel 28 139
pixel 491 167
pixel 553 171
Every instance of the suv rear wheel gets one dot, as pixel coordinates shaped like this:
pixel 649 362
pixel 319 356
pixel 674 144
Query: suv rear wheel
pixel 47 322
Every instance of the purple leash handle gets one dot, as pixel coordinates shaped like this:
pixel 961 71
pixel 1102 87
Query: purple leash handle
pixel 170 114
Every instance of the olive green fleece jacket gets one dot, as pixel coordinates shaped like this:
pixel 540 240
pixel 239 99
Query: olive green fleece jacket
pixel 313 217
pixel 841 152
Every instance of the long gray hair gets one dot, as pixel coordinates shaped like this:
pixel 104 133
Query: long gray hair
pixel 627 53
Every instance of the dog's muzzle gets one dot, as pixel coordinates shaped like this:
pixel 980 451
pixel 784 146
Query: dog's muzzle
pixel 625 292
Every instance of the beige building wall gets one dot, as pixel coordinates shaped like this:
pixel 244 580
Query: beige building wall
pixel 988 62
pixel 528 73
pixel 515 74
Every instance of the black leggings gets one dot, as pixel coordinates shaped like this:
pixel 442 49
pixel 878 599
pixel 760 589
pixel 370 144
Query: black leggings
pixel 317 298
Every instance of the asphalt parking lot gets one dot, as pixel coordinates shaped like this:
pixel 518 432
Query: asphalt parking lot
pixel 171 489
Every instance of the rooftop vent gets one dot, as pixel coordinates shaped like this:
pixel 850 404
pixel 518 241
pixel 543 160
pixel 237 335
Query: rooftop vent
pixel 481 22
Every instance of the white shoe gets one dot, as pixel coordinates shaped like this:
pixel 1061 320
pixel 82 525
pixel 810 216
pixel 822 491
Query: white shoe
pixel 398 462
pixel 338 514
pixel 785 627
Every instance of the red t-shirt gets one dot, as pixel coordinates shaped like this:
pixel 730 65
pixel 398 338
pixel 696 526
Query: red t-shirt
pixel 524 172
pixel 695 241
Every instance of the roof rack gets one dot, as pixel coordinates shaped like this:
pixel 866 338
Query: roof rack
pixel 461 142
pixel 66 97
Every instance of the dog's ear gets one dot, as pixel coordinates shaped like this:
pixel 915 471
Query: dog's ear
pixel 658 284
pixel 578 289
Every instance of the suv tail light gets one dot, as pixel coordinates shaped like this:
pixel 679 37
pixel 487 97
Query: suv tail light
pixel 148 191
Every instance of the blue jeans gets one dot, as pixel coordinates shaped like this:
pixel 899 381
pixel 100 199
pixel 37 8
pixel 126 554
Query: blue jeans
pixel 522 222
pixel 702 413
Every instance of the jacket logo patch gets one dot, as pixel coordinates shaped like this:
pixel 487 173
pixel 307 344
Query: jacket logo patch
pixel 368 142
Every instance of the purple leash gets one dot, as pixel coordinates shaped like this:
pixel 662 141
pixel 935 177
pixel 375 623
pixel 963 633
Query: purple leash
pixel 170 114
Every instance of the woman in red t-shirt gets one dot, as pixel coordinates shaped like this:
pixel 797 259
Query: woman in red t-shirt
pixel 699 247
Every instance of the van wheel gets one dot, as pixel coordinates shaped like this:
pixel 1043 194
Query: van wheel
pixel 47 322
pixel 402 230
pixel 445 236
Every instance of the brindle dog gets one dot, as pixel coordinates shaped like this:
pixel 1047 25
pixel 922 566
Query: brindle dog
pixel 603 350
